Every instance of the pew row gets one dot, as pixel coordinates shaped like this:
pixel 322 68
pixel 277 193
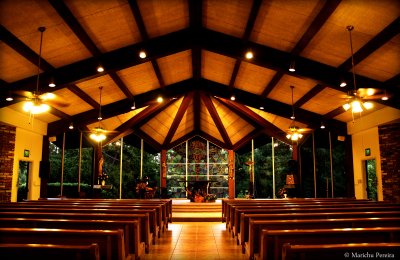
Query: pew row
pixel 272 241
pixel 340 251
pixel 111 242
pixel 253 243
pixel 236 213
pixel 145 235
pixel 131 229
pixel 49 251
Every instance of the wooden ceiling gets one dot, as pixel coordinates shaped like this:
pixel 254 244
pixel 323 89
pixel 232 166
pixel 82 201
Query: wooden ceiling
pixel 195 60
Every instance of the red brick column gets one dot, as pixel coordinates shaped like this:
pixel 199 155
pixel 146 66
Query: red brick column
pixel 7 150
pixel 389 146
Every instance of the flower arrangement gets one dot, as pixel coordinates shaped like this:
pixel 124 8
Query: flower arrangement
pixel 210 197
pixel 282 192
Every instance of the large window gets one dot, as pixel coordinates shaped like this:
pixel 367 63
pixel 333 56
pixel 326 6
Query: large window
pixel 197 160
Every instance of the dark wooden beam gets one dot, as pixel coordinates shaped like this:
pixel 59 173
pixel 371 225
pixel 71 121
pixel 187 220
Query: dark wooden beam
pixel 334 113
pixel 178 117
pixel 318 22
pixel 196 110
pixel 179 140
pixel 121 85
pixel 245 112
pixel 214 140
pixel 309 95
pixel 255 8
pixel 20 47
pixel 271 85
pixel 138 19
pixel 112 61
pixel 316 25
pixel 217 120
pixel 85 97
pixel 148 139
pixel 75 26
pixel 375 43
pixel 59 114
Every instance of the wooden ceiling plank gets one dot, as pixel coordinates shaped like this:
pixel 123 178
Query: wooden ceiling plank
pixel 75 26
pixel 20 47
pixel 375 43
pixel 217 120
pixel 317 23
pixel 278 60
pixel 246 35
pixel 245 112
pixel 178 117
pixel 214 140
pixel 112 61
pixel 309 95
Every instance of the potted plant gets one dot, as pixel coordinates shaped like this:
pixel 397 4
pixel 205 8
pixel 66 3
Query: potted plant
pixel 210 197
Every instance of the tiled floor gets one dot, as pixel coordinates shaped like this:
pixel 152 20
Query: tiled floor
pixel 196 241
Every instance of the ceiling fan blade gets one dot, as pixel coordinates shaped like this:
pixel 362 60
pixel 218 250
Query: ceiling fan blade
pixel 24 93
pixel 54 102
pixel 366 92
pixel 53 99
pixel 305 130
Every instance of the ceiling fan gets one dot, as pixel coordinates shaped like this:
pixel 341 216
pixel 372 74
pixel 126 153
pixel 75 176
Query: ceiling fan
pixel 98 133
pixel 37 102
pixel 294 132
pixel 355 98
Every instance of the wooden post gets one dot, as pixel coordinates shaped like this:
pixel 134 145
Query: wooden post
pixel 231 174
pixel 163 172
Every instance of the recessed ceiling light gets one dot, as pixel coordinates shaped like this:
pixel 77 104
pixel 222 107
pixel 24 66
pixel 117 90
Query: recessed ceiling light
pixel 142 54
pixel 249 55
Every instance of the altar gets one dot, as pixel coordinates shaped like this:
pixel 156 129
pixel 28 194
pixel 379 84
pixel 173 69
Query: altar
pixel 198 191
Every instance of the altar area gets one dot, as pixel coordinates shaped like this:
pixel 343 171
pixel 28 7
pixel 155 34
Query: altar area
pixel 185 211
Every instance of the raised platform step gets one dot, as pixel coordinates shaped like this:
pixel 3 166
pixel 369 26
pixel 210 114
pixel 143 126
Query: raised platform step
pixel 186 211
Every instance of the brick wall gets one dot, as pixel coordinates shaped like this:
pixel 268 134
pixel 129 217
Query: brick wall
pixel 389 144
pixel 7 148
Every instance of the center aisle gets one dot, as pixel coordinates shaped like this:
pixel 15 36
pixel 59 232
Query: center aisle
pixel 196 241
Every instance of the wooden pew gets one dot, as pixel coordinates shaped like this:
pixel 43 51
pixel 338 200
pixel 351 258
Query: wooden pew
pixel 232 209
pixel 252 245
pixel 131 228
pixel 165 211
pixel 155 217
pixel 154 228
pixel 145 234
pixel 340 251
pixel 165 203
pixel 273 240
pixel 49 251
pixel 111 242
pixel 289 217
pixel 226 203
pixel 235 221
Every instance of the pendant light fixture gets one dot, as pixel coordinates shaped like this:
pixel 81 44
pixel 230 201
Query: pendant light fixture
pixel 355 102
pixel 98 133
pixel 34 105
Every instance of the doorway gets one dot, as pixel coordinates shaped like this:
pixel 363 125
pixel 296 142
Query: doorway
pixel 23 180
pixel 372 181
